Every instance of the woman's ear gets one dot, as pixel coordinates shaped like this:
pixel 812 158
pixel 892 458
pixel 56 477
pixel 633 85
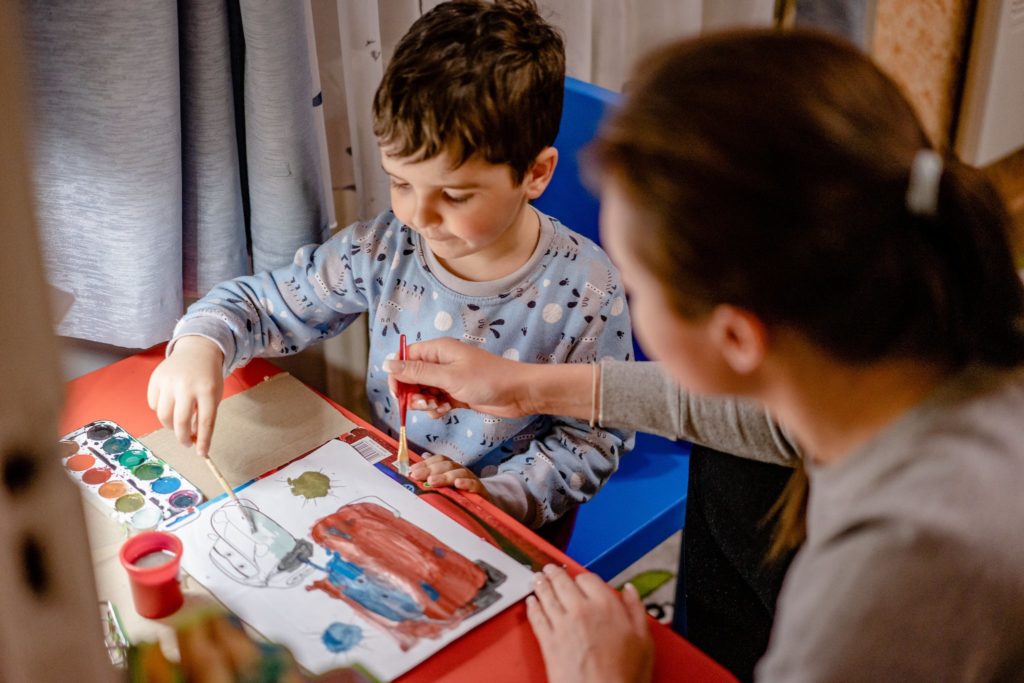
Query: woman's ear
pixel 741 336
pixel 539 174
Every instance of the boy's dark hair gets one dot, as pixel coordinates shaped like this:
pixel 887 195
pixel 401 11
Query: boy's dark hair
pixel 771 172
pixel 474 79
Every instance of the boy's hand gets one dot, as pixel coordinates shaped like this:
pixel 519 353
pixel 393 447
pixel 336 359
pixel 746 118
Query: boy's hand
pixel 186 388
pixel 438 470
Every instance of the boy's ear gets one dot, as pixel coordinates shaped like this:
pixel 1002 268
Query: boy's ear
pixel 539 174
pixel 741 336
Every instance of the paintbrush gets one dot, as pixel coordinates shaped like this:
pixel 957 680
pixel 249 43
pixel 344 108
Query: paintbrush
pixel 403 407
pixel 246 512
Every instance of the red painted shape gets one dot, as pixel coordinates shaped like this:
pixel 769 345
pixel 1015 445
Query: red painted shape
pixel 405 556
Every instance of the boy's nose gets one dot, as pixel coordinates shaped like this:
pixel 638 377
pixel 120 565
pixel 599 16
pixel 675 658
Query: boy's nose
pixel 425 216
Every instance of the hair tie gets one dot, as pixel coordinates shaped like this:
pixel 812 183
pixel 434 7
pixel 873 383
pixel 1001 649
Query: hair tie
pixel 923 187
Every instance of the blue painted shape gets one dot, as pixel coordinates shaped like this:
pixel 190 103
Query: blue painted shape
pixel 340 534
pixel 339 637
pixel 430 591
pixel 375 595
pixel 641 505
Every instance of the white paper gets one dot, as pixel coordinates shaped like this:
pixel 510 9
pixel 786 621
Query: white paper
pixel 402 594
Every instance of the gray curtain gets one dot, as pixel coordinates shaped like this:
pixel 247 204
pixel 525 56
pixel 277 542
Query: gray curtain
pixel 847 18
pixel 175 146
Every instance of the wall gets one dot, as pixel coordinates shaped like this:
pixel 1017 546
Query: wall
pixel 1008 175
pixel 923 45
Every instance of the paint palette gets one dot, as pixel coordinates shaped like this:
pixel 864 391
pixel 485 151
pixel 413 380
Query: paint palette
pixel 125 479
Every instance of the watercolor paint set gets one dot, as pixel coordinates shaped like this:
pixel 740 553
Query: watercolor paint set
pixel 121 475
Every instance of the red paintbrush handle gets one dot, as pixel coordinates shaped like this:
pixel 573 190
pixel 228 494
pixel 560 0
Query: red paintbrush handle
pixel 403 389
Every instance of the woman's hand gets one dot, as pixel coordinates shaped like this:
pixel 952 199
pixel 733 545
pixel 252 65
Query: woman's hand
pixel 439 470
pixel 455 375
pixel 587 633
pixel 186 388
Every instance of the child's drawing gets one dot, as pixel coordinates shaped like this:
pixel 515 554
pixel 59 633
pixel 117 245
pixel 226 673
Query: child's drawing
pixel 390 571
pixel 313 486
pixel 398 575
pixel 363 571
pixel 269 558
pixel 310 485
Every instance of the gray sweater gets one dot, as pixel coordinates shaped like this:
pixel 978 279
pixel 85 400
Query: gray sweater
pixel 913 569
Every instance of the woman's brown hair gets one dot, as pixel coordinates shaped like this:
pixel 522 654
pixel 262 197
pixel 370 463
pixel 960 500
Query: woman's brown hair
pixel 770 172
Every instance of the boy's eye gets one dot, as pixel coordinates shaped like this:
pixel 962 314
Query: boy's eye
pixel 399 186
pixel 457 199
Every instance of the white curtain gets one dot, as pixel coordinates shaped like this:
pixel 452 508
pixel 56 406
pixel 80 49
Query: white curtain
pixel 604 37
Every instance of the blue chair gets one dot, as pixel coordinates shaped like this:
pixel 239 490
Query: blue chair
pixel 645 501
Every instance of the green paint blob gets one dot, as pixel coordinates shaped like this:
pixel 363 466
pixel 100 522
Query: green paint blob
pixel 649 581
pixel 116 444
pixel 133 458
pixel 310 485
pixel 148 471
pixel 129 503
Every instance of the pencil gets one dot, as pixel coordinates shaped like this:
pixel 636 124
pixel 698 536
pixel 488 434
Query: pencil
pixel 403 406
pixel 246 512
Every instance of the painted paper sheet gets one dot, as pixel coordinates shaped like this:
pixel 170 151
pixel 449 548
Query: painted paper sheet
pixel 346 565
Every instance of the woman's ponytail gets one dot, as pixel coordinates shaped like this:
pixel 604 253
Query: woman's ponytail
pixel 980 296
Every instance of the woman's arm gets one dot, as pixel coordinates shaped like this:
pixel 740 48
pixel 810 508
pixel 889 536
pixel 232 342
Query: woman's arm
pixel 456 375
pixel 634 396
pixel 643 397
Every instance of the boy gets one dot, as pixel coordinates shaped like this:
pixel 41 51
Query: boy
pixel 466 115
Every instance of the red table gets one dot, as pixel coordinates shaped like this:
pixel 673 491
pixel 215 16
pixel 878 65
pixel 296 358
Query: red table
pixel 503 649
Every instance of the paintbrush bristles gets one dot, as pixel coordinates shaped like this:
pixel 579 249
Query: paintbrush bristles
pixel 403 452
pixel 246 512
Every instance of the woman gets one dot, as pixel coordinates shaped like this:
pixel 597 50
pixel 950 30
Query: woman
pixel 790 239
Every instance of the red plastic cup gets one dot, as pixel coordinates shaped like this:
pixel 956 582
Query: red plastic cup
pixel 152 560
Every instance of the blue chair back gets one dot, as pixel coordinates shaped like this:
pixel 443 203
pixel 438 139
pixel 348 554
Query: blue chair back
pixel 567 198
pixel 644 502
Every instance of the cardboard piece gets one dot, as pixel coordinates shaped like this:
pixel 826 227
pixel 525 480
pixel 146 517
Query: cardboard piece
pixel 257 430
